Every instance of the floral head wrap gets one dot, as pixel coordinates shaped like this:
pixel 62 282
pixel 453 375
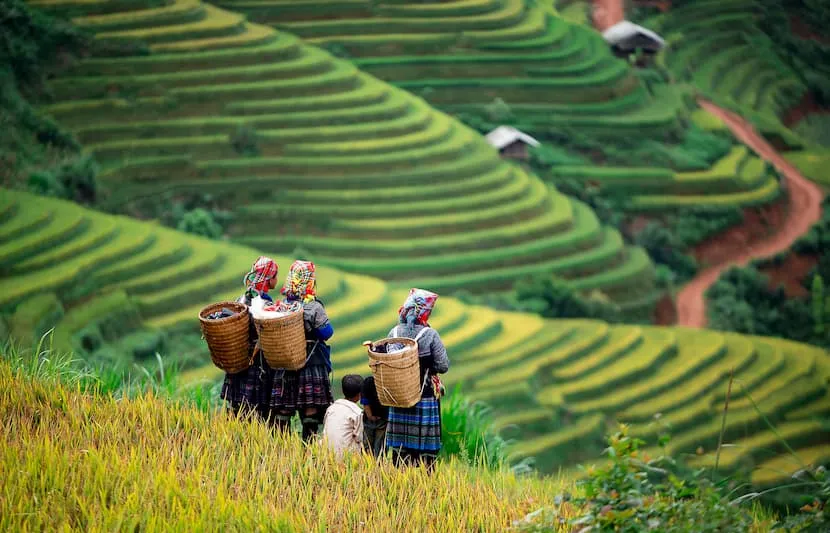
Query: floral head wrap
pixel 262 272
pixel 417 307
pixel 300 283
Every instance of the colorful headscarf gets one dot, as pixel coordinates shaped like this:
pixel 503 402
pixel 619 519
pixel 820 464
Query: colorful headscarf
pixel 417 308
pixel 300 283
pixel 262 272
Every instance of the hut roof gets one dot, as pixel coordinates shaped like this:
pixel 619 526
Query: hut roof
pixel 625 32
pixel 507 135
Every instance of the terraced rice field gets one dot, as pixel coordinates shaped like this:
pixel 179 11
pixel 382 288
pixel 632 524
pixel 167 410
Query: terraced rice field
pixel 361 175
pixel 717 45
pixel 460 54
pixel 556 384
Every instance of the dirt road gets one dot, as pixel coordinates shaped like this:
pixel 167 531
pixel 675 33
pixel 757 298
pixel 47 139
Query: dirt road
pixel 606 13
pixel 803 210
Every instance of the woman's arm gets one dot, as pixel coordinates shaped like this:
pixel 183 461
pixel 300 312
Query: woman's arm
pixel 320 322
pixel 441 362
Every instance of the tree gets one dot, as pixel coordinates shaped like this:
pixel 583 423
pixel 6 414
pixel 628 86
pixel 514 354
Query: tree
pixel 200 222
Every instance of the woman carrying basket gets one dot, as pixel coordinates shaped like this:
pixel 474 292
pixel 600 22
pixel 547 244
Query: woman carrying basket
pixel 247 390
pixel 414 434
pixel 308 390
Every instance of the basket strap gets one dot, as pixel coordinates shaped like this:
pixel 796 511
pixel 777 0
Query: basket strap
pixel 308 357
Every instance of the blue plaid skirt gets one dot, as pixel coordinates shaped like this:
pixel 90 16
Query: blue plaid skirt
pixel 415 428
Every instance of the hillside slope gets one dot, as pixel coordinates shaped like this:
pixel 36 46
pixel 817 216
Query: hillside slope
pixel 360 175
pixel 555 384
pixel 555 79
pixel 96 463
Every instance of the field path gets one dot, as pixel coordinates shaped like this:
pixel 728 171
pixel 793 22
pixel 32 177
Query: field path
pixel 606 13
pixel 803 210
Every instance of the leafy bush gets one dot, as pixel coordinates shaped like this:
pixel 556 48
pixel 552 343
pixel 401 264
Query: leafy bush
pixel 665 248
pixel 72 180
pixel 692 225
pixel 552 298
pixel 245 140
pixel 742 301
pixel 32 39
pixel 200 222
pixel 633 492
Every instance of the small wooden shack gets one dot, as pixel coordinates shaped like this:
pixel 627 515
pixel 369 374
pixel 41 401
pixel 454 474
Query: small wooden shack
pixel 625 38
pixel 511 143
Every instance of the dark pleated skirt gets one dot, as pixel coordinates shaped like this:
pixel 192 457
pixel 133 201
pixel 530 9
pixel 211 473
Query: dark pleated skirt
pixel 251 387
pixel 298 389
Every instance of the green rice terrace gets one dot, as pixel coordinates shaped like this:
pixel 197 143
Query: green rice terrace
pixel 718 46
pixel 345 166
pixel 112 280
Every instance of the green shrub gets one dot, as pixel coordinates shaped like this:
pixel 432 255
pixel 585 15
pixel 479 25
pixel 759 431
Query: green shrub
pixel 665 248
pixel 245 141
pixel 200 222
pixel 72 180
pixel 553 298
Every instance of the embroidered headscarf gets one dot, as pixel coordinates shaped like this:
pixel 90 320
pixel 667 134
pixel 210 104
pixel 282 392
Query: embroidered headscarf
pixel 417 308
pixel 300 283
pixel 262 272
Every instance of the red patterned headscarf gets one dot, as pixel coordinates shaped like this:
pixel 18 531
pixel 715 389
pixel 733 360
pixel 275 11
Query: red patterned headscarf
pixel 262 272
pixel 417 307
pixel 300 283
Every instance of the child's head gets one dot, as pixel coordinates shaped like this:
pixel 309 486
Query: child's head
pixel 352 387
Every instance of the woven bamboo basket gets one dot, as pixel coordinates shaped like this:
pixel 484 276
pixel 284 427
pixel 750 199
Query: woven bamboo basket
pixel 227 338
pixel 282 340
pixel 397 375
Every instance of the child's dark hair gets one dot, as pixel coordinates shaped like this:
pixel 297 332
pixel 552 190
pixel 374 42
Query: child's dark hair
pixel 352 385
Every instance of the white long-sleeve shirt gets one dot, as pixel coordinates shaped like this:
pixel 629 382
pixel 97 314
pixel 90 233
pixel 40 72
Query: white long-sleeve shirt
pixel 343 426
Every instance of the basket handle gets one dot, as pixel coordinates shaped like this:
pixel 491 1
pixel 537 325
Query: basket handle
pixel 391 365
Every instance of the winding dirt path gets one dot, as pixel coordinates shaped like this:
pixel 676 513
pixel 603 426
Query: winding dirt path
pixel 606 13
pixel 803 210
pixel 803 207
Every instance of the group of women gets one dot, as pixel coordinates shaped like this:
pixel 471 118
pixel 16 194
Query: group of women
pixel 275 395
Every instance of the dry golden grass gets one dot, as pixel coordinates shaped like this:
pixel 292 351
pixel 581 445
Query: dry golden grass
pixel 73 461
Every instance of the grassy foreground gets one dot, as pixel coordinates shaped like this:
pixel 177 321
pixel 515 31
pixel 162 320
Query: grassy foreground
pixel 78 461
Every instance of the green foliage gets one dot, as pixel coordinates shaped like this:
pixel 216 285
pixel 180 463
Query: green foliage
pixel 742 301
pixel 815 128
pixel 467 432
pixel 817 240
pixel 72 180
pixel 552 297
pixel 32 47
pixel 692 225
pixel 814 517
pixel 665 248
pixel 245 140
pixel 632 492
pixel 200 222
pixel 547 155
pixel 31 40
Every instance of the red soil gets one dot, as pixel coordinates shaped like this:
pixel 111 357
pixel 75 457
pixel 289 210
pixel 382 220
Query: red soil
pixel 606 13
pixel 758 224
pixel 804 31
pixel 665 312
pixel 791 273
pixel 803 210
pixel 807 106
pixel 662 5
